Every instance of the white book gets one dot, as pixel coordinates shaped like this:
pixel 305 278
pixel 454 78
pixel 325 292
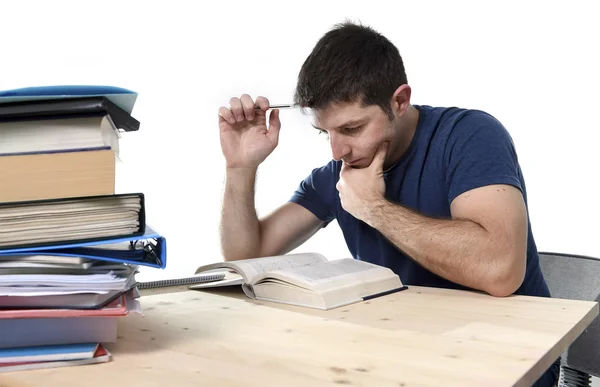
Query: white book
pixel 306 279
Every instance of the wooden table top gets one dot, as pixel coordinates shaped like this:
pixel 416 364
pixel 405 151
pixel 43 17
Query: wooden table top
pixel 417 337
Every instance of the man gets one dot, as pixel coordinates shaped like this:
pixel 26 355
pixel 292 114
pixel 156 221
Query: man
pixel 435 194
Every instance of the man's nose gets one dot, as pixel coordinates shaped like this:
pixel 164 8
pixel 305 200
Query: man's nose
pixel 339 148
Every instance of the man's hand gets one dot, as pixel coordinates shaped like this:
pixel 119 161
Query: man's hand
pixel 361 189
pixel 245 139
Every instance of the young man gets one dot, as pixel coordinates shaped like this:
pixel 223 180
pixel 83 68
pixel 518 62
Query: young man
pixel 435 194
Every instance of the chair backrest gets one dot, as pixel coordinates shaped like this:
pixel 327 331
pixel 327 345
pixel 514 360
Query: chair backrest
pixel 576 277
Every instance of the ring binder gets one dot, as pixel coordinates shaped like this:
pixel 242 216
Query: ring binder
pixel 58 208
pixel 154 255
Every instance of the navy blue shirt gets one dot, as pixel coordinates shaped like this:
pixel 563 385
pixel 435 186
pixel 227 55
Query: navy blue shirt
pixel 453 150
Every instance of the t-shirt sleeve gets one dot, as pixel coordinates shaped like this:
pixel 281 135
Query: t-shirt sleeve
pixel 480 152
pixel 314 193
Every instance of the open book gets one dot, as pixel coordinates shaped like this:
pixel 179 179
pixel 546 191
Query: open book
pixel 306 279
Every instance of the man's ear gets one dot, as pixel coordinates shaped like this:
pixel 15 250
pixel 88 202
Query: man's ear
pixel 401 100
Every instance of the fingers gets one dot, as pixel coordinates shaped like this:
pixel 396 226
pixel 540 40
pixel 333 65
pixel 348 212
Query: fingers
pixel 380 155
pixel 236 109
pixel 244 108
pixel 226 114
pixel 263 103
pixel 274 126
pixel 248 106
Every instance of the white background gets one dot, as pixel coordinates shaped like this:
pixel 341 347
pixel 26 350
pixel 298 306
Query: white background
pixel 533 65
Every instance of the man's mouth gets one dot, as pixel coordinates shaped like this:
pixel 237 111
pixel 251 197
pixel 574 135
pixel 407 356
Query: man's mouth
pixel 352 163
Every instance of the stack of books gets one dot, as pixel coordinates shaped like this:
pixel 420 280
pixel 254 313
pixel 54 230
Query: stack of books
pixel 70 245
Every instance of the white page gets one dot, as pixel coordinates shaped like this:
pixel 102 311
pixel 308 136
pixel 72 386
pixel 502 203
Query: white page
pixel 344 270
pixel 41 265
pixel 263 265
pixel 46 291
pixel 14 284
pixel 57 237
pixel 250 268
pixel 69 206
pixel 44 258
pixel 73 221
pixel 4 279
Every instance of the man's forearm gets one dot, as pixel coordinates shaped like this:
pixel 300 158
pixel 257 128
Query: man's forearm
pixel 239 227
pixel 461 251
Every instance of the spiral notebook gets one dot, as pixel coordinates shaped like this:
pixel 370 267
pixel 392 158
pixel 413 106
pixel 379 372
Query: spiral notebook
pixel 197 279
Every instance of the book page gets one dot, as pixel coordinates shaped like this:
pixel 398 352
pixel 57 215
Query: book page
pixel 329 274
pixel 251 268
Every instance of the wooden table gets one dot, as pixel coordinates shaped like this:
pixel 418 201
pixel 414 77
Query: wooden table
pixel 418 337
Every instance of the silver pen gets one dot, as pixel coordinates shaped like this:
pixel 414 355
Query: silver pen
pixel 280 106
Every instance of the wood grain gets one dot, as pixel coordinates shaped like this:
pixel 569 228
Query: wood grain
pixel 418 337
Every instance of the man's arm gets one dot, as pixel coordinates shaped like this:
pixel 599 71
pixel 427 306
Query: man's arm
pixel 246 142
pixel 243 235
pixel 483 246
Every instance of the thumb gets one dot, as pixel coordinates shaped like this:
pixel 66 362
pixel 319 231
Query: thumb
pixel 274 126
pixel 379 157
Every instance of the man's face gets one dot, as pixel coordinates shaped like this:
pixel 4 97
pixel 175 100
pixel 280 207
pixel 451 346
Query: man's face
pixel 355 132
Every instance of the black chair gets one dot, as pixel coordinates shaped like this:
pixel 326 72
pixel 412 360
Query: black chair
pixel 576 277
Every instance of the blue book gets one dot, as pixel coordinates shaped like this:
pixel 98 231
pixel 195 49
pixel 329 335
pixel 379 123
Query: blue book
pixel 48 353
pixel 123 98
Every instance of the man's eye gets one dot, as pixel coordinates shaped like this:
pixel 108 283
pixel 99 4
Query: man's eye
pixel 352 130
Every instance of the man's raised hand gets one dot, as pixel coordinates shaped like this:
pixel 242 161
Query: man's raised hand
pixel 246 141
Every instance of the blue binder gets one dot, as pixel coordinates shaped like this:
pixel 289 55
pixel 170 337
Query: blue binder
pixel 123 98
pixel 149 249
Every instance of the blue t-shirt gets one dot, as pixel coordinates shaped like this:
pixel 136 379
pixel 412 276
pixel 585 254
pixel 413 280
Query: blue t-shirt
pixel 453 150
